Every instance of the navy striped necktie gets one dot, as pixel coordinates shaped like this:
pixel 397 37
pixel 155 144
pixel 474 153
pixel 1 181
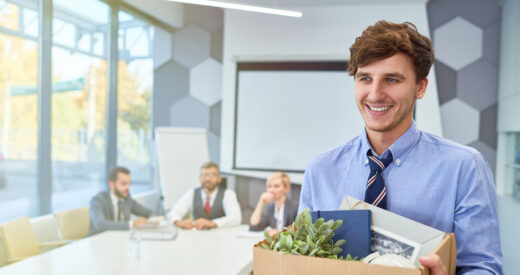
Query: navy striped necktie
pixel 376 192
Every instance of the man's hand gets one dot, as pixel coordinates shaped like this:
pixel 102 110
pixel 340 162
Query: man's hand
pixel 202 223
pixel 266 198
pixel 185 224
pixel 434 263
pixel 139 221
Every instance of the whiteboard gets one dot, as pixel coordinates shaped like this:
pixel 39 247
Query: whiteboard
pixel 180 153
pixel 285 118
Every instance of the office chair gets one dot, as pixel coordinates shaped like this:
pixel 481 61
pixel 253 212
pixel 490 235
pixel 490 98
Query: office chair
pixel 74 223
pixel 20 240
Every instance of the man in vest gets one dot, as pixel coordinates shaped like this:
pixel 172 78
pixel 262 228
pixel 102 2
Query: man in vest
pixel 210 205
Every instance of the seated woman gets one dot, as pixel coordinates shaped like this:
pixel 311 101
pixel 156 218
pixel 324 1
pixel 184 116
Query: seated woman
pixel 274 209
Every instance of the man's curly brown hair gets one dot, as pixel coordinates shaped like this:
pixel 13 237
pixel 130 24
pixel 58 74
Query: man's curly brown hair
pixel 384 39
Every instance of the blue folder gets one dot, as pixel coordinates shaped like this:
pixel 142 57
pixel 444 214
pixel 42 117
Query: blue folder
pixel 355 230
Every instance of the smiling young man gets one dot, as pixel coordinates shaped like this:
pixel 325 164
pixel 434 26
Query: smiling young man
pixel 396 166
pixel 210 205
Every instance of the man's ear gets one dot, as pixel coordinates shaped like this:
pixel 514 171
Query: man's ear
pixel 111 184
pixel 421 88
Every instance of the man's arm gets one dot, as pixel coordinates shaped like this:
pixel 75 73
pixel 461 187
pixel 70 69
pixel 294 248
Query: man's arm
pixel 305 193
pixel 181 208
pixel 99 221
pixel 139 210
pixel 476 221
pixel 233 215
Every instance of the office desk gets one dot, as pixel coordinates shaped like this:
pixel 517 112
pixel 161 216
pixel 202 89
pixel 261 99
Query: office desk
pixel 217 251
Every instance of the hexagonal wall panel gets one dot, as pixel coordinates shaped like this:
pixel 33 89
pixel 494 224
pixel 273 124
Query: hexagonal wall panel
pixel 446 82
pixel 206 81
pixel 477 84
pixel 458 43
pixel 481 13
pixel 209 18
pixel 214 147
pixel 191 45
pixel 171 82
pixel 460 121
pixel 491 47
pixel 440 12
pixel 217 44
pixel 189 112
pixel 214 119
pixel 488 126
pixel 162 47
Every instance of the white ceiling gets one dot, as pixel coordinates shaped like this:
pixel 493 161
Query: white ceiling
pixel 295 3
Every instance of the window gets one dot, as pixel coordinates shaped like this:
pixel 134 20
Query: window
pixel 79 91
pixel 135 84
pixel 18 110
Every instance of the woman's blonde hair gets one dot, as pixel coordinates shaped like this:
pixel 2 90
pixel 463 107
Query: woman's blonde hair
pixel 280 175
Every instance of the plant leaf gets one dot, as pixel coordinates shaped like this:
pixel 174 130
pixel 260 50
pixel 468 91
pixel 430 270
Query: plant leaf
pixel 337 224
pixel 268 237
pixel 340 242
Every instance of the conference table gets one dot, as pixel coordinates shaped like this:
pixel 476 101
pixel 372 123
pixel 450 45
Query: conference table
pixel 216 251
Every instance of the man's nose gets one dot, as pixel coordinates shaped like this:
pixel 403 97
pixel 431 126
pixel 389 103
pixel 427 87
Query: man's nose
pixel 376 91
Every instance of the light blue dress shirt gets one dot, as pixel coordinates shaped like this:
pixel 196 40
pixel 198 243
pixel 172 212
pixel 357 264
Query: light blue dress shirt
pixel 431 180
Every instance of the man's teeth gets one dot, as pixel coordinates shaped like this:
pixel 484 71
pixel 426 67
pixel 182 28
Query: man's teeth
pixel 378 109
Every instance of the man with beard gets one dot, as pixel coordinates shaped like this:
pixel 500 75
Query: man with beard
pixel 210 205
pixel 110 210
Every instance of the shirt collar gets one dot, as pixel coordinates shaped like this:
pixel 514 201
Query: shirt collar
pixel 399 148
pixel 203 194
pixel 114 198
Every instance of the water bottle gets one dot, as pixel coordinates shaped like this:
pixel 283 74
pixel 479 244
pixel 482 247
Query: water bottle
pixel 134 245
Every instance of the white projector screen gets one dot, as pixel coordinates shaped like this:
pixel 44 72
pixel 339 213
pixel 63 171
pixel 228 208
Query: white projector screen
pixel 284 118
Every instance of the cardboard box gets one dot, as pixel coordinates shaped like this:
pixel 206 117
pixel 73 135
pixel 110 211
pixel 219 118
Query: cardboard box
pixel 425 239
pixel 268 262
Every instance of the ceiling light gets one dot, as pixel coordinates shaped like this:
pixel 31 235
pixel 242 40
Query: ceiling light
pixel 226 5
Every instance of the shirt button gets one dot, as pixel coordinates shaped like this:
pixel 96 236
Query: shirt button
pixel 397 161
pixel 366 161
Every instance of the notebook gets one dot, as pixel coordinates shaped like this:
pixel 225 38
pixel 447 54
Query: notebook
pixel 355 230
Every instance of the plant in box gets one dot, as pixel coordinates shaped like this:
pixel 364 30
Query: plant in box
pixel 306 238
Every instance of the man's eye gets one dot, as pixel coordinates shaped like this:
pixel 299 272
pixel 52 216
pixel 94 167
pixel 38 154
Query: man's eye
pixel 364 78
pixel 391 80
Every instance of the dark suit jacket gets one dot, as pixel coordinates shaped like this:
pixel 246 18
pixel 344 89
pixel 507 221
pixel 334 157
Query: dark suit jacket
pixel 102 213
pixel 268 219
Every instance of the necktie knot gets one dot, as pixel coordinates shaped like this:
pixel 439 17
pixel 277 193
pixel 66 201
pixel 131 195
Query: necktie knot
pixel 378 164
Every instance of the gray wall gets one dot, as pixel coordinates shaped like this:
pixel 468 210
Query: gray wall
pixel 466 37
pixel 187 76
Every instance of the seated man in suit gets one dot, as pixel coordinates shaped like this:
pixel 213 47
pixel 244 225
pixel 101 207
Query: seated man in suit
pixel 110 210
pixel 274 208
pixel 211 205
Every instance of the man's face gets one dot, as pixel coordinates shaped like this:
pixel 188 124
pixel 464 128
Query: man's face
pixel 209 178
pixel 121 187
pixel 385 94
pixel 277 189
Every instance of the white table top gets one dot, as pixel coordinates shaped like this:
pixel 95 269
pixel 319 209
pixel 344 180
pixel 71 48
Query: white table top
pixel 216 251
